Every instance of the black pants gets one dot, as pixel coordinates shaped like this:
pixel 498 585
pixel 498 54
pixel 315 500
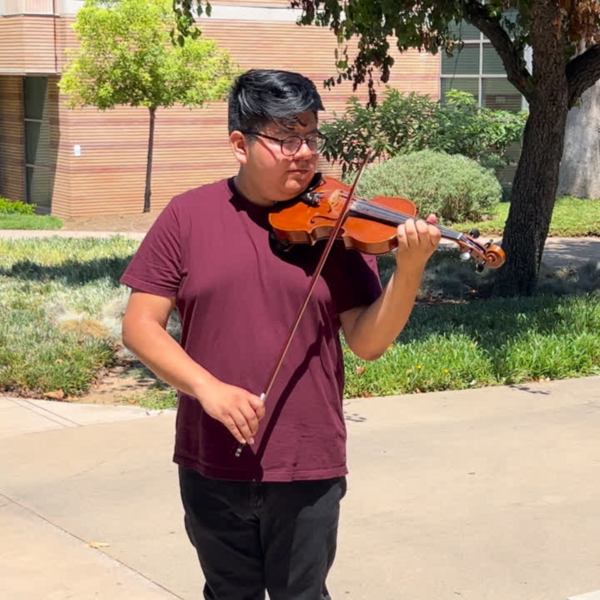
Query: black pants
pixel 252 536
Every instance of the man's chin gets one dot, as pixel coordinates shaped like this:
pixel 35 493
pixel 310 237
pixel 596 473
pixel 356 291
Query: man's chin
pixel 297 181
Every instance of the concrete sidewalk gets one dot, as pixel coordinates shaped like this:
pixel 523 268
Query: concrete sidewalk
pixel 483 494
pixel 40 559
pixel 20 416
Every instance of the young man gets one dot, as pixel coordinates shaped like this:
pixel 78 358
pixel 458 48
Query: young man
pixel 268 519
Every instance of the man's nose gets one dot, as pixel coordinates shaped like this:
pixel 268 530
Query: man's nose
pixel 304 152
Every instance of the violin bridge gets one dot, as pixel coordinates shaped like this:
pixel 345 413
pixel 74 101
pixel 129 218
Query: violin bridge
pixel 335 199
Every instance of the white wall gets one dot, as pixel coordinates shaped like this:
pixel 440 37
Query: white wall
pixel 580 166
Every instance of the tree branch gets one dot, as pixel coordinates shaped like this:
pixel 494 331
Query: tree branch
pixel 583 72
pixel 514 63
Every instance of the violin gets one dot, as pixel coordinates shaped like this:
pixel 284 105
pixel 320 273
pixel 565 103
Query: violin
pixel 370 226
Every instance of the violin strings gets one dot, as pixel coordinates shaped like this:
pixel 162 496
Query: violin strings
pixel 383 211
pixel 399 217
pixel 395 216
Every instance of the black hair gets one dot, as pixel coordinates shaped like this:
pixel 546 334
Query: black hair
pixel 262 96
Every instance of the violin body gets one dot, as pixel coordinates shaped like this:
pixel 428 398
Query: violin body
pixel 311 219
pixel 370 226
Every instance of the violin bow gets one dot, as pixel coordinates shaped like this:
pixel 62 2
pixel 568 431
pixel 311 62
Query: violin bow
pixel 311 287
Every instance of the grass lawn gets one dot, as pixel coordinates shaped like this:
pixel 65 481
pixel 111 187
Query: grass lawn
pixel 572 217
pixel 19 221
pixel 59 302
pixel 61 307
pixel 492 342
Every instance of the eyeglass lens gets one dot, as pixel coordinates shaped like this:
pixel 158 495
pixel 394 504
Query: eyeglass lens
pixel 292 144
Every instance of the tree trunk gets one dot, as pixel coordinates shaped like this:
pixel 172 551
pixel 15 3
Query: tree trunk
pixel 536 179
pixel 532 198
pixel 148 192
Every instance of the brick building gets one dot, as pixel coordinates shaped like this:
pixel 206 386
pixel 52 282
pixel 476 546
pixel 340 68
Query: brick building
pixel 86 162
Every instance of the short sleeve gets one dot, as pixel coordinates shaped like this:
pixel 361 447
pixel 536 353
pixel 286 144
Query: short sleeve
pixel 353 279
pixel 156 267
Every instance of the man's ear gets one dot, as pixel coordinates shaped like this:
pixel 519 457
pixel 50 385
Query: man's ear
pixel 239 146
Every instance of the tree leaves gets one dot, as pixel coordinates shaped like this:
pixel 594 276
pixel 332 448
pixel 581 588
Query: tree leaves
pixel 127 57
pixel 428 25
pixel 405 123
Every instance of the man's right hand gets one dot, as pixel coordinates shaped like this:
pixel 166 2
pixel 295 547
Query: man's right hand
pixel 144 334
pixel 239 410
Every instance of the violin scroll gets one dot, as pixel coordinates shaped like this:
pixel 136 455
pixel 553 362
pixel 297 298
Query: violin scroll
pixel 488 255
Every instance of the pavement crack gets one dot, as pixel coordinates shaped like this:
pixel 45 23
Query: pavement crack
pixel 40 410
pixel 94 466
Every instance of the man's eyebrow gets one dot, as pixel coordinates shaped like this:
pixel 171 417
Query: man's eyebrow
pixel 291 131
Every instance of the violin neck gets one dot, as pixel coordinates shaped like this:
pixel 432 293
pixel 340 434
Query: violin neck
pixel 393 217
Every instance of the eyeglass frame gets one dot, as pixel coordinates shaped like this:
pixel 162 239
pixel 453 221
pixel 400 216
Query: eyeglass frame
pixel 318 135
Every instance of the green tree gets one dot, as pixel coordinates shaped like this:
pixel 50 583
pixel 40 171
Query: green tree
pixel 127 57
pixel 563 36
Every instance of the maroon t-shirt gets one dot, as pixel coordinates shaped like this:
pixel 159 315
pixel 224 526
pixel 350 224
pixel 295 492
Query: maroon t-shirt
pixel 237 296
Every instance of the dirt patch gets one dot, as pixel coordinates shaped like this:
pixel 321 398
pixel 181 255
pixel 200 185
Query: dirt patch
pixel 127 379
pixel 129 222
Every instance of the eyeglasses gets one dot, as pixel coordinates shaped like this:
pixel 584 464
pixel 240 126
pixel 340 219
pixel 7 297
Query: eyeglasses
pixel 291 144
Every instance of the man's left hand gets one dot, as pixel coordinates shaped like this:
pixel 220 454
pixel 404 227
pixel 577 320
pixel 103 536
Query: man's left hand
pixel 417 241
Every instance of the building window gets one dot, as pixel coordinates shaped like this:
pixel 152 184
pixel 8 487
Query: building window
pixel 38 155
pixel 477 68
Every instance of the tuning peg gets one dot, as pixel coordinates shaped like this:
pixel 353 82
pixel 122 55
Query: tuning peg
pixel 474 233
pixel 465 256
pixel 479 267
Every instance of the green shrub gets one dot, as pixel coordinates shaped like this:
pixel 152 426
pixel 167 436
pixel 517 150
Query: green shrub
pixel 16 206
pixel 454 187
pixel 403 124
